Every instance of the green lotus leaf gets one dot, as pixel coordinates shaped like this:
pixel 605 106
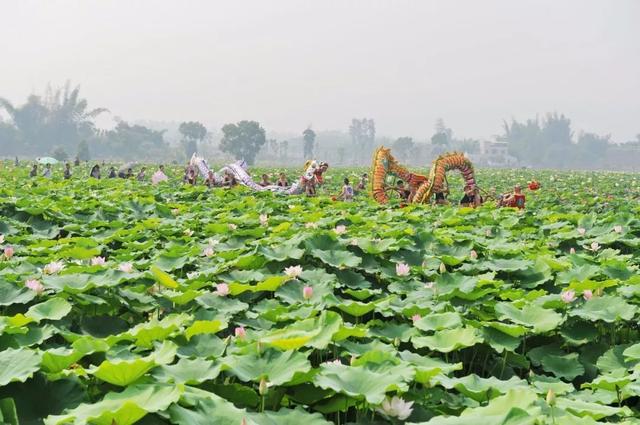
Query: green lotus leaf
pixel 277 367
pixel 187 371
pixel 52 309
pixel 203 327
pixel 337 258
pixel 270 284
pixel 606 308
pixel 359 309
pixel 482 389
pixel 58 359
pixel 438 322
pixel 594 410
pixel 124 408
pixel 427 368
pixel 362 382
pixel 448 340
pixel 12 294
pixel 281 253
pixel 538 318
pixel 18 365
pixel 315 332
pixel 163 278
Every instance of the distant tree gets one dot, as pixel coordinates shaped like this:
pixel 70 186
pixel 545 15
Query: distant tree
pixel 403 147
pixel 284 149
pixel 60 154
pixel 192 132
pixel 443 136
pixel 341 154
pixel 83 151
pixel 592 149
pixel 363 135
pixel 61 117
pixel 243 140
pixel 133 142
pixel 309 137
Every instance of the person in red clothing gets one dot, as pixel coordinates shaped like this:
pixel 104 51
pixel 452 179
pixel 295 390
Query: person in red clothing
pixel 534 185
pixel 515 199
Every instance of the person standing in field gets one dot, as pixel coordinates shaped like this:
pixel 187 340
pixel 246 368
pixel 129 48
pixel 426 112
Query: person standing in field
pixel 47 171
pixel 95 172
pixel 16 163
pixel 347 191
pixel 34 171
pixel 362 184
pixel 140 176
pixel 159 176
pixel 76 162
pixel 211 180
pixel 67 171
pixel 265 181
pixel 282 180
pixel 112 173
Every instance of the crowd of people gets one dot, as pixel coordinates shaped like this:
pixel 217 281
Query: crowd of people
pixel 471 198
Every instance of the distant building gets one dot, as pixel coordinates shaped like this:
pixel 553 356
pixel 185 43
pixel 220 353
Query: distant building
pixel 494 154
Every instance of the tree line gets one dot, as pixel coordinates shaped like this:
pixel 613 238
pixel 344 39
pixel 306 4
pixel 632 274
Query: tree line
pixel 60 123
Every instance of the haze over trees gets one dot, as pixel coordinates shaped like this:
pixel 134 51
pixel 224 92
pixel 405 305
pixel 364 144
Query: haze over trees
pixel 61 123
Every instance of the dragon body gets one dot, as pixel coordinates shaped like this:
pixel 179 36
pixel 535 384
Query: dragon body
pixel 422 187
pixel 312 170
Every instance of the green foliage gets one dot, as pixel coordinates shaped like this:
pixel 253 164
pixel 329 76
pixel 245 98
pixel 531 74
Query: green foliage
pixel 243 140
pixel 478 332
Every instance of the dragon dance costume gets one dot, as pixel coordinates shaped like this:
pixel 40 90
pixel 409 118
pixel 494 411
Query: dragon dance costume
pixel 422 187
pixel 313 171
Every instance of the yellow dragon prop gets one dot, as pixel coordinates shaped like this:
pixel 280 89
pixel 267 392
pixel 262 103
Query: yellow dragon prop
pixel 422 187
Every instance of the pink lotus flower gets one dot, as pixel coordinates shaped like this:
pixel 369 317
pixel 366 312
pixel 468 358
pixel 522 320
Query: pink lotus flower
pixel 208 251
pixel 35 286
pixel 403 269
pixel 473 254
pixel 293 271
pixel 311 225
pixel 8 252
pixel 240 332
pixel 617 229
pixel 595 246
pixel 222 289
pixel 97 261
pixel 416 317
pixel 587 294
pixel 264 219
pixel 307 292
pixel 581 231
pixel 572 250
pixel 53 267
pixel 232 226
pixel 568 296
pixel 340 229
pixel 126 267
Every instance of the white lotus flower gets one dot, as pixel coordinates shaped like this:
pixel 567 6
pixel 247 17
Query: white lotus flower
pixel 232 226
pixel 595 246
pixel 311 225
pixel 340 229
pixel 192 275
pixel 581 231
pixel 396 408
pixel 53 267
pixel 264 219
pixel 403 269
pixel 188 232
pixel 208 251
pixel 293 271
pixel 1 238
pixel 617 229
pixel 126 267
pixel 98 261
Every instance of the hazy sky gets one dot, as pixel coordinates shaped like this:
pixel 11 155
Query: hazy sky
pixel 289 63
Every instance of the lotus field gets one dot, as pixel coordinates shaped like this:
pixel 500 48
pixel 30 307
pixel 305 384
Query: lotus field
pixel 122 302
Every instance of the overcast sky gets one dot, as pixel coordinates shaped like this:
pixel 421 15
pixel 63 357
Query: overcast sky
pixel 290 63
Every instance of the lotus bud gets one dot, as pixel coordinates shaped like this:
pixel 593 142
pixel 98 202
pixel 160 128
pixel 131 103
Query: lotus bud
pixel 240 332
pixel 353 360
pixel 551 397
pixel 443 268
pixel 396 342
pixel 307 292
pixel 572 250
pixel 262 388
pixel 599 292
pixel 8 252
pixel 473 254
